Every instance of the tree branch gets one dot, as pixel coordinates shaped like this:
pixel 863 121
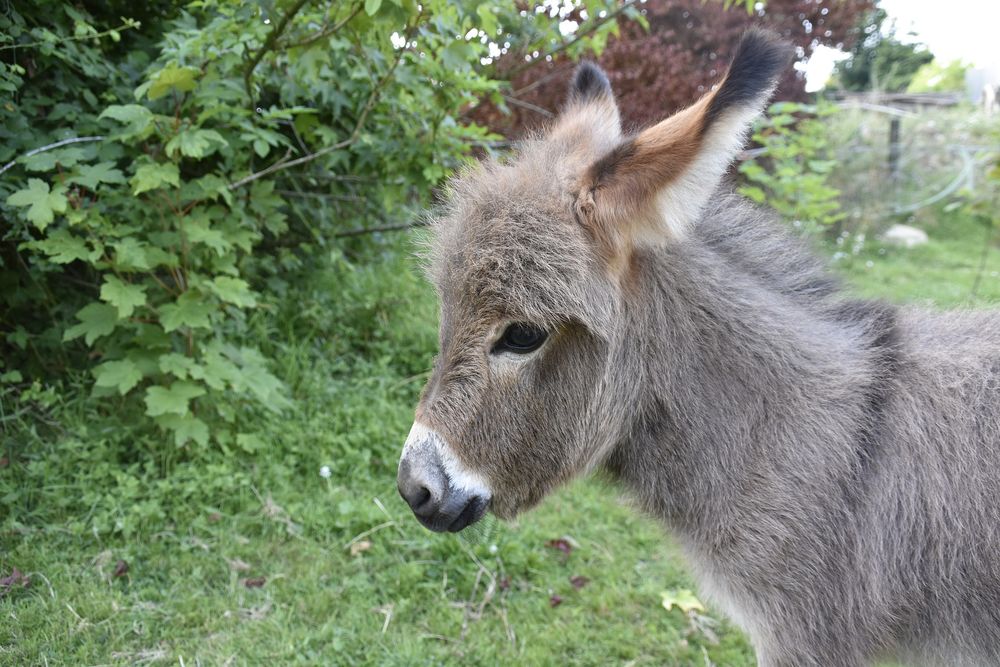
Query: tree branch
pixel 612 15
pixel 42 149
pixel 269 43
pixel 381 228
pixel 355 133
pixel 127 25
pixel 529 106
pixel 287 164
pixel 326 33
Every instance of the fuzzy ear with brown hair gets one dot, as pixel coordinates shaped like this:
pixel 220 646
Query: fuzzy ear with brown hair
pixel 590 118
pixel 653 185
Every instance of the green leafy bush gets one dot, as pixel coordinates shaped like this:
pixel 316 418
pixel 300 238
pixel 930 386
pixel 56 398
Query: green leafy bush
pixel 172 176
pixel 791 173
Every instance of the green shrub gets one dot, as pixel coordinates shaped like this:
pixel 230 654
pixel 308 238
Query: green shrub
pixel 792 172
pixel 210 157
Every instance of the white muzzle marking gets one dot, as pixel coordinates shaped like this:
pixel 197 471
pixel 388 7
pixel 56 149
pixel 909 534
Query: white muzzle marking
pixel 459 477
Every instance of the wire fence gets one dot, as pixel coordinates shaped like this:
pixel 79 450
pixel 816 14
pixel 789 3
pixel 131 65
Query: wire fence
pixel 894 163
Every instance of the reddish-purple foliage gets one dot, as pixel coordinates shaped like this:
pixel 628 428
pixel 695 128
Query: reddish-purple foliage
pixel 684 52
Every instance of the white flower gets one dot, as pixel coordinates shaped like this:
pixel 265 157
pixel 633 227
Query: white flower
pixel 324 472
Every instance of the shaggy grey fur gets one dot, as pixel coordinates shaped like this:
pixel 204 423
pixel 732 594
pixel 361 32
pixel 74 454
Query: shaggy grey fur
pixel 830 465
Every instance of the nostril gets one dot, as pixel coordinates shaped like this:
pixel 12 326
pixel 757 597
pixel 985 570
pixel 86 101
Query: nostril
pixel 421 497
pixel 422 483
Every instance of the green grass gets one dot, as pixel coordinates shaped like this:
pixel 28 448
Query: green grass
pixel 400 596
pixel 943 272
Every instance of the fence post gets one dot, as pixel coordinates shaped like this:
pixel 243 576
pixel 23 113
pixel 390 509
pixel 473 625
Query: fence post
pixel 894 148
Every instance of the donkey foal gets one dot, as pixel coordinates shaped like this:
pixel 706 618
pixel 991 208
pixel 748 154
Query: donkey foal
pixel 831 466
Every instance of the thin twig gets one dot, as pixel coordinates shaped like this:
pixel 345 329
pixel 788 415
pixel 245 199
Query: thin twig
pixel 613 15
pixel 326 33
pixel 268 45
pixel 556 71
pixel 36 151
pixel 381 228
pixel 286 164
pixel 350 178
pixel 371 531
pixel 97 35
pixel 982 260
pixel 355 133
pixel 529 106
pixel 319 195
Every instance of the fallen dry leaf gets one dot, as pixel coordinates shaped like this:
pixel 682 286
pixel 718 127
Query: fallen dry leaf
pixel 505 584
pixel 15 579
pixel 578 581
pixel 555 600
pixel 102 559
pixel 214 517
pixel 683 599
pixel 360 546
pixel 257 613
pixel 238 565
pixel 560 544
pixel 254 582
pixel 121 569
pixel 4 462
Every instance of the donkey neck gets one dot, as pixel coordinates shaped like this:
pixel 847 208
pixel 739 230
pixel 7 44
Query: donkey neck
pixel 751 375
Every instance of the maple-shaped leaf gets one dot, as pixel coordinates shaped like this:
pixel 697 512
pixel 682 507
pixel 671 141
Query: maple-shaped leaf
pixel 233 290
pixel 172 400
pixel 190 310
pixel 122 375
pixel 155 175
pixel 42 203
pixel 176 364
pixel 96 320
pixel 172 77
pixel 123 296
pixel 47 161
pixel 62 247
pixel 195 143
pixel 136 118
pixel 185 428
pixel 92 175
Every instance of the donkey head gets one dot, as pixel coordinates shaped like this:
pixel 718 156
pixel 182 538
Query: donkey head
pixel 531 261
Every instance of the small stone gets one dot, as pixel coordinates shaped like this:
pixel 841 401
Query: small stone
pixel 905 236
pixel 360 547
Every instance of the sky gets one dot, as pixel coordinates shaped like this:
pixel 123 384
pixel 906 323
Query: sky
pixel 952 29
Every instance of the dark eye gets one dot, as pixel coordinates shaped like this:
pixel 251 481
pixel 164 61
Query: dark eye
pixel 521 338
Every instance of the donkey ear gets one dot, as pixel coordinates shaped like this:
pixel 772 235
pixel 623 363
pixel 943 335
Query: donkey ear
pixel 590 83
pixel 590 118
pixel 655 184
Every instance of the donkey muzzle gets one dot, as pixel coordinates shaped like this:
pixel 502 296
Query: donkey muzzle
pixel 443 494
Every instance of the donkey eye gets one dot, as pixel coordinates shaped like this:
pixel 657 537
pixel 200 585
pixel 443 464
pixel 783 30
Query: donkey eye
pixel 521 338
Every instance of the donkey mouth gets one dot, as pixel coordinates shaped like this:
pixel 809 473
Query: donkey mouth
pixel 443 495
pixel 453 517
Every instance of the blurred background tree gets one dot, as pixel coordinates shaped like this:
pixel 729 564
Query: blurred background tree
pixel 939 77
pixel 671 56
pixel 880 60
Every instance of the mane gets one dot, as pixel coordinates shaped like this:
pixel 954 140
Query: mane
pixel 756 244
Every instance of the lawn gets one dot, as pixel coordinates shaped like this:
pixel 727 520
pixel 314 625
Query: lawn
pixel 258 558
